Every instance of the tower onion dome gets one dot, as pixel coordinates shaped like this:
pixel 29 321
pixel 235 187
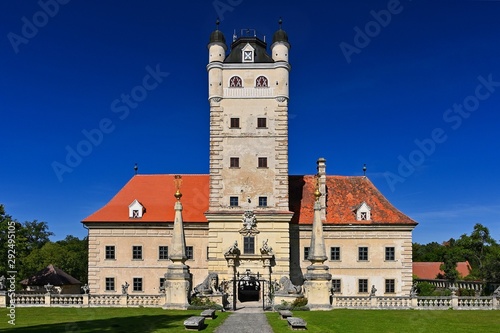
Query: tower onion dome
pixel 217 36
pixel 280 35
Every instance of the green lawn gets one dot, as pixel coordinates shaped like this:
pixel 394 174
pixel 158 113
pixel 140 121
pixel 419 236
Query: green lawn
pixel 393 321
pixel 93 320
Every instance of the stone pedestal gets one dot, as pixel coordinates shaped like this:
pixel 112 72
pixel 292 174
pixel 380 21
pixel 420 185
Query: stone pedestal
pixel 3 299
pixel 177 287
pixel 317 293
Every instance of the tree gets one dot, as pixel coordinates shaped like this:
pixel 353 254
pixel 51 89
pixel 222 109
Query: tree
pixel 69 254
pixel 477 247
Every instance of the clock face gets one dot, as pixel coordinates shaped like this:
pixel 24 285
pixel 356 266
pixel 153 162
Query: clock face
pixel 247 55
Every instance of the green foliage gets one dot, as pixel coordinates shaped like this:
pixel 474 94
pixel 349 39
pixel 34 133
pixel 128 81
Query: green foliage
pixel 466 292
pixel 34 250
pixel 299 302
pixel 479 249
pixel 203 303
pixel 425 289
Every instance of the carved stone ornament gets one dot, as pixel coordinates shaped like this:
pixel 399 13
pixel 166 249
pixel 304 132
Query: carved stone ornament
pixel 281 99
pixel 249 224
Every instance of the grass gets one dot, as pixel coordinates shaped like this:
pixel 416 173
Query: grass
pixel 93 320
pixel 393 321
pixel 148 320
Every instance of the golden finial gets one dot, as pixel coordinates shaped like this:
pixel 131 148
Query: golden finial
pixel 178 182
pixel 317 193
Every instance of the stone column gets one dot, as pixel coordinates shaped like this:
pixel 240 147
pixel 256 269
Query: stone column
pixel 178 277
pixel 317 283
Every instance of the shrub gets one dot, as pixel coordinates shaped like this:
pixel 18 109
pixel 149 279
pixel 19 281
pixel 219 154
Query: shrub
pixel 299 302
pixel 425 289
pixel 201 303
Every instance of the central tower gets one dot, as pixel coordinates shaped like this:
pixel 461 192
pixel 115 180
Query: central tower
pixel 248 96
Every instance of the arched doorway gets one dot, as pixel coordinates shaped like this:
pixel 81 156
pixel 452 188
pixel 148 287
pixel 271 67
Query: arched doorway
pixel 249 288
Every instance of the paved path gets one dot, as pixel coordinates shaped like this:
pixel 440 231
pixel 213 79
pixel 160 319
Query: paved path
pixel 248 318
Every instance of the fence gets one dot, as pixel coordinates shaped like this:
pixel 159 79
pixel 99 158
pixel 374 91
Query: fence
pixel 84 300
pixel 347 302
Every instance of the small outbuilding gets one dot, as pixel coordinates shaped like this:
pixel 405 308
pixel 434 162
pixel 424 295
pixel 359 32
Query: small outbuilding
pixel 62 282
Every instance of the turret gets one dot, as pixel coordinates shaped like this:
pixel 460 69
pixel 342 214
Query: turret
pixel 280 45
pixel 217 45
pixel 217 53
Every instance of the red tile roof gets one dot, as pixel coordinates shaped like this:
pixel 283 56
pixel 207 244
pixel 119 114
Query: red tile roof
pixel 155 193
pixel 430 270
pixel 344 194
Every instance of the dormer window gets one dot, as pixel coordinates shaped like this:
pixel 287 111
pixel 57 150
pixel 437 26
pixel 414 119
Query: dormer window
pixel 135 210
pixel 363 212
pixel 248 53
pixel 261 82
pixel 235 82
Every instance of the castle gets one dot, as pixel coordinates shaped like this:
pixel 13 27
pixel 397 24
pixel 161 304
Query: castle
pixel 249 201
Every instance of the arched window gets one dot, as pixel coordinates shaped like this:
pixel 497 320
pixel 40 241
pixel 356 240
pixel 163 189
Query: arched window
pixel 261 81
pixel 235 81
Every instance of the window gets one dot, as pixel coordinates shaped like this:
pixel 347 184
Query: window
pixel 110 284
pixel 137 284
pixel 235 82
pixel 363 253
pixel 162 283
pixel 137 252
pixel 163 252
pixel 189 252
pixel 135 213
pixel 235 123
pixel 336 286
pixel 262 162
pixel 335 253
pixel 261 82
pixel 390 254
pixel 306 252
pixel 261 122
pixel 248 245
pixel 262 201
pixel 233 201
pixel 110 252
pixel 363 285
pixel 390 285
pixel 363 216
pixel 234 162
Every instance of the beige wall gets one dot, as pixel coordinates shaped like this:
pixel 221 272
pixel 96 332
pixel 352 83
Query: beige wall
pixel 150 268
pixel 349 269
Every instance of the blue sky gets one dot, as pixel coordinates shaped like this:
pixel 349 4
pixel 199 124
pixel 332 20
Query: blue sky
pixel 411 88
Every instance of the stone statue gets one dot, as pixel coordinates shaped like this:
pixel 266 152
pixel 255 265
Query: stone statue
pixel 373 291
pixel 285 286
pixel 413 290
pixel 266 249
pixel 233 249
pixel 48 287
pixel 2 282
pixel 125 288
pixel 85 288
pixel 209 286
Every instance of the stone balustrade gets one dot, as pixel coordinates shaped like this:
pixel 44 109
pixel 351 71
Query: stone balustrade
pixel 346 302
